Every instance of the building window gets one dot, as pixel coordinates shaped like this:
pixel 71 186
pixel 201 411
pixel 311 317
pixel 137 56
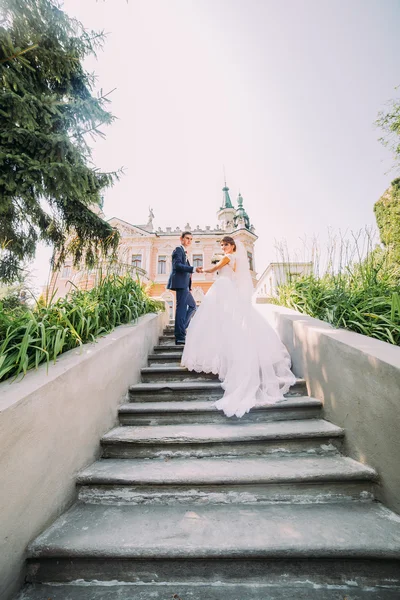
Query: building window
pixel 162 265
pixel 197 260
pixel 66 272
pixel 250 257
pixel 170 305
pixel 137 261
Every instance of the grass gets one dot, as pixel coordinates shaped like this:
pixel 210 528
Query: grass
pixel 359 290
pixel 31 337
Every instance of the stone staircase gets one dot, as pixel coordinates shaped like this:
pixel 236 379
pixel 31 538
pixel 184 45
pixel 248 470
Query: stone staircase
pixel 186 504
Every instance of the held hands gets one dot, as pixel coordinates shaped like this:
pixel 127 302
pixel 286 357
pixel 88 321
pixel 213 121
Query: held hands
pixel 199 270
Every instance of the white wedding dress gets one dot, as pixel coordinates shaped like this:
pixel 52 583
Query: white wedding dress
pixel 228 337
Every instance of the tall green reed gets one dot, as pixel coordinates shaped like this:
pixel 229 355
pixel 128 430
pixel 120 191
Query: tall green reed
pixel 357 287
pixel 31 337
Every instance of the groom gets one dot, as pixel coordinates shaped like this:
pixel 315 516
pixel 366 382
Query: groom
pixel 180 280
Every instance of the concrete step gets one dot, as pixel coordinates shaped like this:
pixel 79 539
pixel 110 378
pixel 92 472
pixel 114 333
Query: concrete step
pixel 192 390
pixel 204 411
pixel 227 481
pixel 166 349
pixel 168 340
pixel 202 591
pixel 173 358
pixel 163 392
pixel 314 436
pixel 188 543
pixel 174 373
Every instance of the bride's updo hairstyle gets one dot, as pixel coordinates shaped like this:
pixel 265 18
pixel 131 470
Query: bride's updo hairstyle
pixel 229 240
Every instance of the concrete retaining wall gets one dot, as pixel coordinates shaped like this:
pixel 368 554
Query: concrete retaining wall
pixel 50 427
pixel 358 380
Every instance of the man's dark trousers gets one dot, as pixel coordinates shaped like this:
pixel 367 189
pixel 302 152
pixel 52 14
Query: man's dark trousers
pixel 185 307
pixel 180 280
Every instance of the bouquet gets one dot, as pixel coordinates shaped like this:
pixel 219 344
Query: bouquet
pixel 216 258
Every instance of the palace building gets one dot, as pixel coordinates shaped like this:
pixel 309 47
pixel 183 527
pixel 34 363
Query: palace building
pixel 149 250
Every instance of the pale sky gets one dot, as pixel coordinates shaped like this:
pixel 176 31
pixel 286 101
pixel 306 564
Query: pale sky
pixel 283 93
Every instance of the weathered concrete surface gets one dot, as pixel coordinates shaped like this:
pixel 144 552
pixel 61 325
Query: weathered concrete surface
pixel 317 573
pixel 358 380
pixel 351 530
pixel 205 405
pixel 165 358
pixel 193 433
pixel 181 390
pixel 175 390
pixel 174 373
pixel 50 425
pixel 204 411
pixel 202 591
pixel 237 439
pixel 227 481
pixel 162 349
pixel 225 470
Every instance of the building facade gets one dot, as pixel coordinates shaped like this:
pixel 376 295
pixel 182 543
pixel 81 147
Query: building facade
pixel 279 273
pixel 149 252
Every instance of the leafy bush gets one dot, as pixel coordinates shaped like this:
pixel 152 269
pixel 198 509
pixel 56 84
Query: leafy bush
pixel 387 213
pixel 362 296
pixel 31 337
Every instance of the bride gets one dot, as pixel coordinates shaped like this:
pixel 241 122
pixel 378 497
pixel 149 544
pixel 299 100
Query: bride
pixel 228 337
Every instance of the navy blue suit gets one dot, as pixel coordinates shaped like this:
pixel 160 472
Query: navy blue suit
pixel 180 280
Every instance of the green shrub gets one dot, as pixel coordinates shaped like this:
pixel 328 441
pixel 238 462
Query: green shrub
pixel 387 213
pixel 361 296
pixel 31 337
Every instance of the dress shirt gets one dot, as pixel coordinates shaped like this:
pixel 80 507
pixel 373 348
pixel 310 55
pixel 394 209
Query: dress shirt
pixel 184 249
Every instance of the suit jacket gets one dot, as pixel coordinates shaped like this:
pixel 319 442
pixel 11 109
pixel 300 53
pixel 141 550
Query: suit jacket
pixel 181 275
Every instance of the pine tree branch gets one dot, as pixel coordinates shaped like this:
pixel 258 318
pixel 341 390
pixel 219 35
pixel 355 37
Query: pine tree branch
pixel 104 96
pixel 43 136
pixel 20 53
pixel 94 128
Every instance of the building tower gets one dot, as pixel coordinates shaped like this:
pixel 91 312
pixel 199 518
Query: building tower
pixel 226 213
pixel 241 218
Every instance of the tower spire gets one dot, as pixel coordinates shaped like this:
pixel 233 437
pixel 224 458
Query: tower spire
pixel 241 216
pixel 226 212
pixel 226 200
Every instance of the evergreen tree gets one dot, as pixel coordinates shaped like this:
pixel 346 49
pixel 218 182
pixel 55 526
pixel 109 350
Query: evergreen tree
pixel 47 110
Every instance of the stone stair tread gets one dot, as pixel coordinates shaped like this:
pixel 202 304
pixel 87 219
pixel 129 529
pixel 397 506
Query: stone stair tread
pixel 175 386
pixel 202 591
pixel 177 355
pixel 181 385
pixel 161 369
pixel 194 406
pixel 355 530
pixel 299 469
pixel 169 348
pixel 224 432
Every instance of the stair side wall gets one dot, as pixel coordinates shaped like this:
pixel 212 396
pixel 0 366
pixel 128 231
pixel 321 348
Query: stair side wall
pixel 50 427
pixel 358 380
